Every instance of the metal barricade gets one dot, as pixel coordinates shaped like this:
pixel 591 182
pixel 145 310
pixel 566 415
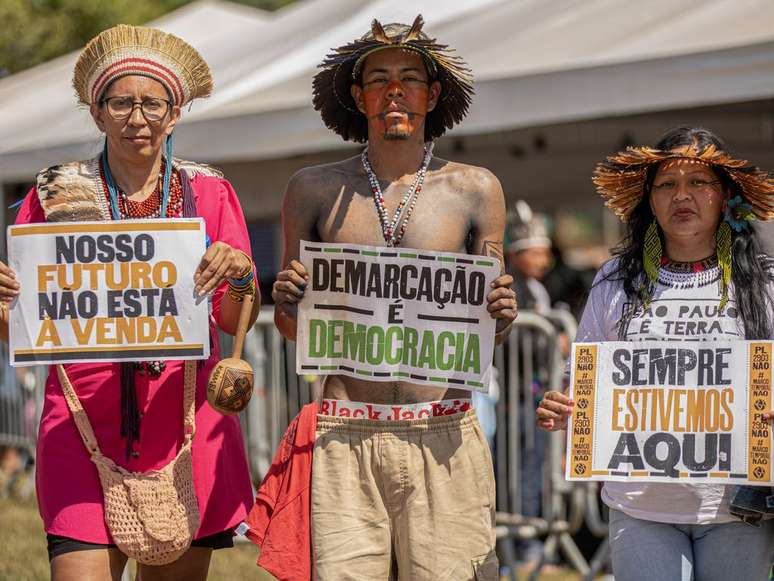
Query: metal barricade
pixel 279 392
pixel 21 402
pixel 532 361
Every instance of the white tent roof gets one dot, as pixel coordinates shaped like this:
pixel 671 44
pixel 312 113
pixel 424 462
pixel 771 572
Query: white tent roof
pixel 535 62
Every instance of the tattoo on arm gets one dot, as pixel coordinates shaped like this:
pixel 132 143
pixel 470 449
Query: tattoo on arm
pixel 494 249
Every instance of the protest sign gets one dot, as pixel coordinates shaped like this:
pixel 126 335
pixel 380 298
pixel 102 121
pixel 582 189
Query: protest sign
pixel 387 314
pixel 664 411
pixel 107 291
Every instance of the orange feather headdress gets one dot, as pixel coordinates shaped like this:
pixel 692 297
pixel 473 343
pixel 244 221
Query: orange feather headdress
pixel 620 180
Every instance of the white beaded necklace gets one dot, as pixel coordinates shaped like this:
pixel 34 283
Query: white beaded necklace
pixel 390 231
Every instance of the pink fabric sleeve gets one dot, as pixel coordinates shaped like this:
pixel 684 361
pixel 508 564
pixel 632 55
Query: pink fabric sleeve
pixel 31 211
pixel 218 204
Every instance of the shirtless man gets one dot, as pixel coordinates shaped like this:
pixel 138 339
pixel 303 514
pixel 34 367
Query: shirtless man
pixel 412 498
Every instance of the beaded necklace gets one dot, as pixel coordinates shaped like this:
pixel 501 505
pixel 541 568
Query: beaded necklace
pixel 150 207
pixel 390 231
pixel 693 266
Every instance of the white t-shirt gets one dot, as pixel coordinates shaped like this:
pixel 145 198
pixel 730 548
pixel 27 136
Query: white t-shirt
pixel 685 307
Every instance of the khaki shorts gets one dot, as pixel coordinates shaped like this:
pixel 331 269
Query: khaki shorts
pixel 411 500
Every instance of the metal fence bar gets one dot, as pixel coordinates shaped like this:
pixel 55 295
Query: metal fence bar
pixel 511 455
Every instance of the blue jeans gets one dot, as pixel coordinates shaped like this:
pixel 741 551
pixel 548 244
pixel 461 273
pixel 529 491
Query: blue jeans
pixel 644 550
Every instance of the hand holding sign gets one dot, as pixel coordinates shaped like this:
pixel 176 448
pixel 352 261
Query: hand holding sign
pixel 290 284
pixel 220 261
pixel 9 286
pixel 554 410
pixel 501 302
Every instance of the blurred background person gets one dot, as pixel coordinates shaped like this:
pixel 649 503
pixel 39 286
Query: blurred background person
pixel 529 258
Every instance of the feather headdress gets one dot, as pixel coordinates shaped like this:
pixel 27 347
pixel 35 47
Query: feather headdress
pixel 342 67
pixel 136 50
pixel 621 178
pixel 526 229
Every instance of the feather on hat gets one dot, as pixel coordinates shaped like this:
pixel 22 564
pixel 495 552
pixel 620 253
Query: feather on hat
pixel 620 180
pixel 342 67
pixel 526 229
pixel 136 50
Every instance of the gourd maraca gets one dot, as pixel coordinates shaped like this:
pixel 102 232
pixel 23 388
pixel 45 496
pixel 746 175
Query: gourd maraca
pixel 231 381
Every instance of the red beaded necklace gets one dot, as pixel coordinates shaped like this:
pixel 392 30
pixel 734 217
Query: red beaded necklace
pixel 150 206
pixel 694 266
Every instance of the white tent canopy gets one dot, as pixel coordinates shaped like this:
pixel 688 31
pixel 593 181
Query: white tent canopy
pixel 535 63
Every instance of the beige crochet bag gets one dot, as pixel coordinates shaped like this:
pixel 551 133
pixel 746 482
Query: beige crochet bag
pixel 152 516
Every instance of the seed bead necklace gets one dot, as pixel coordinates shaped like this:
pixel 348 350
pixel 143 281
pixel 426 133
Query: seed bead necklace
pixel 390 231
pixel 150 207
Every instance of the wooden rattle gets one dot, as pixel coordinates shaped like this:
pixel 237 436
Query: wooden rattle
pixel 231 381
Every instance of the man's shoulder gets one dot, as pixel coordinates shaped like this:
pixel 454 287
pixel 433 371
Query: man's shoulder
pixel 474 180
pixel 324 177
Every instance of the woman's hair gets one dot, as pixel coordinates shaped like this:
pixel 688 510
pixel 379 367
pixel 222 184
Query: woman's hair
pixel 747 270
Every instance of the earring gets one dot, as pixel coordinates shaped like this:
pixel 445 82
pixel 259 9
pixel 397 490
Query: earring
pixel 723 253
pixel 651 261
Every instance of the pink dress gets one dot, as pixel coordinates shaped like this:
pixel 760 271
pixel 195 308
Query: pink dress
pixel 68 487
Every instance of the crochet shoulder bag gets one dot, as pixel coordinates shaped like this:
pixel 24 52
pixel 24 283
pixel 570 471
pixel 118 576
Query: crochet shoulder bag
pixel 152 516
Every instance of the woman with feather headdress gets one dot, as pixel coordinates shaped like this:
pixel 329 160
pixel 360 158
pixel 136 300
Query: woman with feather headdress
pixel 135 81
pixel 687 205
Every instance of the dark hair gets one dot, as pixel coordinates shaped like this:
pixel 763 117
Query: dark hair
pixel 747 269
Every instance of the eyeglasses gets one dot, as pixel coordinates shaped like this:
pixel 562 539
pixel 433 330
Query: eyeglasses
pixel 153 109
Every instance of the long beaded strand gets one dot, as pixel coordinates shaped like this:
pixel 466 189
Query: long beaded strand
pixel 112 188
pixel 390 231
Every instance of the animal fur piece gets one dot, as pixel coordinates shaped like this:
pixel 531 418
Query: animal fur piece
pixel 73 192
pixel 620 180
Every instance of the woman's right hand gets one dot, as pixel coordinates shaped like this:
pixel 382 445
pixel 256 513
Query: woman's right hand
pixel 290 284
pixel 9 286
pixel 553 411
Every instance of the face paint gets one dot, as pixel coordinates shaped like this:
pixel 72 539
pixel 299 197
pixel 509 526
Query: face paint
pixel 395 109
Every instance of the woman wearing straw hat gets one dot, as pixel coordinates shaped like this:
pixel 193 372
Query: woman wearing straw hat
pixel 687 205
pixel 141 417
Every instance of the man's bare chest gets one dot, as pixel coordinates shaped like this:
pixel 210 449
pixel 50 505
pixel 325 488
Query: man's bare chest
pixel 438 221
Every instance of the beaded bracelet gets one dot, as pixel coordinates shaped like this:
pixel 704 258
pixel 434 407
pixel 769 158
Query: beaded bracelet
pixel 246 277
pixel 238 288
pixel 237 294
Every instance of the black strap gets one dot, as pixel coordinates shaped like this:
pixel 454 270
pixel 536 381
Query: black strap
pixel 130 414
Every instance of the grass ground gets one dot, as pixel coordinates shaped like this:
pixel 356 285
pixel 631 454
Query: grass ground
pixel 23 551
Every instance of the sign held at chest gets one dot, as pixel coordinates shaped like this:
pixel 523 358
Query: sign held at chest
pixel 657 411
pixel 107 291
pixel 396 314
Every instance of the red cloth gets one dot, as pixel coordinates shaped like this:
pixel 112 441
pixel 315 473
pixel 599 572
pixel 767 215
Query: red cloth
pixel 280 519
